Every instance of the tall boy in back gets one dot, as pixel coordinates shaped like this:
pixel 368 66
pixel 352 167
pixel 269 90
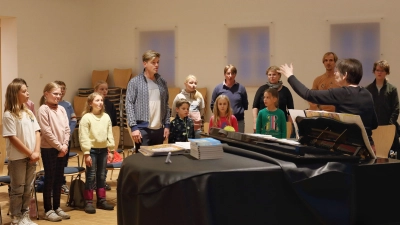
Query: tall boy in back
pixel 182 127
pixel 271 120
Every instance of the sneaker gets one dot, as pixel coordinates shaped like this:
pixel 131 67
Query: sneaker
pixel 64 189
pixel 89 208
pixel 62 214
pixel 26 220
pixel 103 204
pixel 15 220
pixel 107 187
pixel 52 216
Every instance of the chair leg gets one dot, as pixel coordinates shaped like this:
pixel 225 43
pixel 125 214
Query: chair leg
pixel 111 174
pixel 37 207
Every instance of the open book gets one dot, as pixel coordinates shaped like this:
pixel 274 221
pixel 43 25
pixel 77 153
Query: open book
pixel 161 149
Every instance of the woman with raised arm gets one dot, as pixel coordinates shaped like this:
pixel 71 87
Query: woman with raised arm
pixel 349 98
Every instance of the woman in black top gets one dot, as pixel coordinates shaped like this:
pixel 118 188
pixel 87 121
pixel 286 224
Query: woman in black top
pixel 349 98
pixel 285 97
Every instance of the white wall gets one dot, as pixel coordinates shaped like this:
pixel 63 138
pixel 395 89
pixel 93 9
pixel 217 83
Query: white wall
pixel 300 33
pixel 53 43
pixel 66 39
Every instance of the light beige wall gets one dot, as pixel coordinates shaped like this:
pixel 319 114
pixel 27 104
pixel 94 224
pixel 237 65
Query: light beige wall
pixel 53 42
pixel 66 39
pixel 300 33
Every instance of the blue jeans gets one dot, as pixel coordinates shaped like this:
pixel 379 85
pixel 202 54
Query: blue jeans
pixel 96 174
pixel 22 173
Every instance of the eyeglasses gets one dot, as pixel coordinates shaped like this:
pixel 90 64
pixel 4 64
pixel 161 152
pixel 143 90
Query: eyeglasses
pixel 56 94
pixel 63 88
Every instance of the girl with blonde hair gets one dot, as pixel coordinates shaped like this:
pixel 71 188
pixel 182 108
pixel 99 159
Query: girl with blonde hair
pixel 196 101
pixel 55 134
pixel 223 115
pixel 21 131
pixel 95 138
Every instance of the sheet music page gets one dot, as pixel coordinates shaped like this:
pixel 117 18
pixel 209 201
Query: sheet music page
pixel 295 113
pixel 185 145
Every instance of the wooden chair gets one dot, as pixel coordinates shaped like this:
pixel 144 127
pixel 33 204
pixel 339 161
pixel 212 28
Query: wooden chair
pixel 203 92
pixel 383 137
pixel 172 94
pixel 72 155
pixel 122 77
pixel 99 75
pixel 79 105
pixel 288 129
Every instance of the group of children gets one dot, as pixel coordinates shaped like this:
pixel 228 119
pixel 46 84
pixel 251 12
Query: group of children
pixel 189 106
pixel 47 135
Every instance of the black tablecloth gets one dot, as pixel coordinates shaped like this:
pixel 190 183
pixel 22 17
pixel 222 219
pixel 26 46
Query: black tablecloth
pixel 231 190
pixel 250 188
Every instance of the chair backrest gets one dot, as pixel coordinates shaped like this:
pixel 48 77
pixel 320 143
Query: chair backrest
pixel 122 77
pixel 203 92
pixel 288 129
pixel 383 137
pixel 117 135
pixel 99 75
pixel 130 133
pixel 79 105
pixel 173 92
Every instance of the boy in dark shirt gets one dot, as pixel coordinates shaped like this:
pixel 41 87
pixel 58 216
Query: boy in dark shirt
pixel 182 127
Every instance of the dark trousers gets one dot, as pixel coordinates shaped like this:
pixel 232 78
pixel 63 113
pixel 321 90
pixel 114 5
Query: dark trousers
pixel 150 137
pixel 96 174
pixel 54 172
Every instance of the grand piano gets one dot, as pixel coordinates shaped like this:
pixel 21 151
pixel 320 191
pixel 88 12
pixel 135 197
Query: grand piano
pixel 328 176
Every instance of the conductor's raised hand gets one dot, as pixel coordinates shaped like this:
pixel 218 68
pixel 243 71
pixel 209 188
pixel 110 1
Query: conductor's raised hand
pixel 286 70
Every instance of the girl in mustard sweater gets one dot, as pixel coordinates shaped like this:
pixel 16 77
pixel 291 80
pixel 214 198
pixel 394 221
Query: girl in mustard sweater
pixel 95 138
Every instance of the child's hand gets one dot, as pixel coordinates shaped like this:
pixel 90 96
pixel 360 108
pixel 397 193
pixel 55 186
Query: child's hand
pixel 61 154
pixel 34 157
pixel 110 157
pixel 88 160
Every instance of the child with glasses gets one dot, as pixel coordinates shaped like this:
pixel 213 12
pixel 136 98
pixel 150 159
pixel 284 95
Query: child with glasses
pixel 55 134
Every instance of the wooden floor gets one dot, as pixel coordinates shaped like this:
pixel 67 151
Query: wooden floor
pixel 77 216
